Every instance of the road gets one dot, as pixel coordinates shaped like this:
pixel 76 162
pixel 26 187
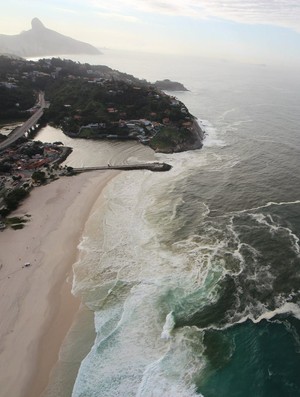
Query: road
pixel 20 131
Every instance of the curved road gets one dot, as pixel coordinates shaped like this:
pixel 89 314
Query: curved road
pixel 20 131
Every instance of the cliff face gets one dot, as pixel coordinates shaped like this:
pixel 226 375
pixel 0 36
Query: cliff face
pixel 40 41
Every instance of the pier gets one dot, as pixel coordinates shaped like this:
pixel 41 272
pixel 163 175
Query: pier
pixel 155 167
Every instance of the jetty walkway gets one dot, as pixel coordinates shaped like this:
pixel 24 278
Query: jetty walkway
pixel 155 167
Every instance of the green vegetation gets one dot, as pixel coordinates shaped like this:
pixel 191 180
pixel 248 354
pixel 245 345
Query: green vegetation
pixel 96 102
pixel 14 197
pixel 18 226
pixel 83 94
pixel 39 176
pixel 170 138
pixel 70 171
pixel 16 95
pixel 16 223
pixel 77 103
pixel 15 101
pixel 35 148
pixel 86 133
pixel 5 167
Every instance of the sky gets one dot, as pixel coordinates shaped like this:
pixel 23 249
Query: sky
pixel 258 31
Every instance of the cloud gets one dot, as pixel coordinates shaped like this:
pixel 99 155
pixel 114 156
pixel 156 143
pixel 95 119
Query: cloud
pixel 284 13
pixel 66 10
pixel 168 7
pixel 116 16
pixel 275 12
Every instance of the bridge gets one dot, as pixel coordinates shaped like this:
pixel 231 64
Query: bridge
pixel 20 131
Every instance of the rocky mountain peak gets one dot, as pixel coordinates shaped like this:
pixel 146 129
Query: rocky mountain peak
pixel 36 24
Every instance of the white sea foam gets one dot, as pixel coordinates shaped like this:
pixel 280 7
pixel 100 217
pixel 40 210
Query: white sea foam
pixel 286 308
pixel 122 276
pixel 168 326
pixel 234 126
pixel 268 221
pixel 258 312
pixel 211 138
pixel 269 204
pixel 127 341
pixel 174 373
pixel 224 114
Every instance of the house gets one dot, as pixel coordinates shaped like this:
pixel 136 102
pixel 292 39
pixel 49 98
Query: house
pixel 112 110
pixel 146 122
pixel 8 85
pixel 175 102
pixel 187 124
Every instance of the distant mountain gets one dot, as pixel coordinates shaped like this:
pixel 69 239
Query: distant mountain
pixel 41 41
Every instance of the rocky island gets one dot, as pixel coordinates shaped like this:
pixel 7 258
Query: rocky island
pixel 168 85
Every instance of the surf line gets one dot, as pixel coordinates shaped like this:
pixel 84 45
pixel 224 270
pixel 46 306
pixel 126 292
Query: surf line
pixel 269 204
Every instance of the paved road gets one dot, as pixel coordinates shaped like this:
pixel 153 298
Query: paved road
pixel 20 131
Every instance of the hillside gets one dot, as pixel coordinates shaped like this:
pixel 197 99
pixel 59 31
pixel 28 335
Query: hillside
pixel 97 102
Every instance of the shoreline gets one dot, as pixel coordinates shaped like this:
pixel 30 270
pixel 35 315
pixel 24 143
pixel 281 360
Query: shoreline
pixel 37 307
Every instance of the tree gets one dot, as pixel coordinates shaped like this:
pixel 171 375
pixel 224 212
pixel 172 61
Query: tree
pixel 39 176
pixel 14 197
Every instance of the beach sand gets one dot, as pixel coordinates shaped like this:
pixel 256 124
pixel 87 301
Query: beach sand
pixel 36 305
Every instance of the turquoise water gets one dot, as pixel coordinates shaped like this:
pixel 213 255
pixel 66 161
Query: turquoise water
pixel 254 360
pixel 194 275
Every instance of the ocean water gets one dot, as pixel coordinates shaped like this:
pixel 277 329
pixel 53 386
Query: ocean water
pixel 193 276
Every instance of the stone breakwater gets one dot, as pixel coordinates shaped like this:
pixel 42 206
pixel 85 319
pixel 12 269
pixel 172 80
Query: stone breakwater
pixel 155 167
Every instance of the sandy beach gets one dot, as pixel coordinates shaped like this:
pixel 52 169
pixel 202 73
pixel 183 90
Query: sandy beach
pixel 36 305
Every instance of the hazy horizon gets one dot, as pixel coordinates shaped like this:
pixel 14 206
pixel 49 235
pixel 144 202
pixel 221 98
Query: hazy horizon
pixel 248 31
